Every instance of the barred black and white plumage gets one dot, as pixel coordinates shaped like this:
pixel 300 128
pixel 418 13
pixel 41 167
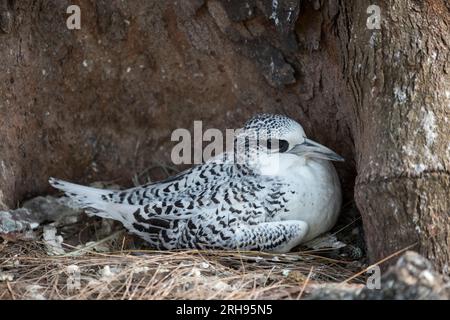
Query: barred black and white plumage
pixel 227 204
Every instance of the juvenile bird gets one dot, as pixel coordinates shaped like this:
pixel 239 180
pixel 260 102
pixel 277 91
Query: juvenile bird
pixel 273 191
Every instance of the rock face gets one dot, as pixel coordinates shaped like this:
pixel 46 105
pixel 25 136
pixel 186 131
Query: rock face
pixel 101 103
pixel 412 278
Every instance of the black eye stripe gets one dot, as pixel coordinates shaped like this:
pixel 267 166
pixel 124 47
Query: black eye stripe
pixel 281 145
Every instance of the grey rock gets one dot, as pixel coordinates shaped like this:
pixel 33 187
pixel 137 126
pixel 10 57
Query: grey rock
pixel 411 278
pixel 36 211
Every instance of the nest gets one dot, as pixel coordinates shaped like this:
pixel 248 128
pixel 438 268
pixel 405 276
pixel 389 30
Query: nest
pixel 147 274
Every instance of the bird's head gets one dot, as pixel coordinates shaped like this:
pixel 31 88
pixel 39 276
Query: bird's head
pixel 279 134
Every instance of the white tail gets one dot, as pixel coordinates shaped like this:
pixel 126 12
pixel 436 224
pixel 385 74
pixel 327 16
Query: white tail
pixel 94 200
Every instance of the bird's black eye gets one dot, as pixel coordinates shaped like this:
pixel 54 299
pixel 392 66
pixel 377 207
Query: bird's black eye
pixel 281 145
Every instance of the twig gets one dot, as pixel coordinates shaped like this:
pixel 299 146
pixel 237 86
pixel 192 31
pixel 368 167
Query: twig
pixel 346 226
pixel 92 245
pixel 8 285
pixel 305 284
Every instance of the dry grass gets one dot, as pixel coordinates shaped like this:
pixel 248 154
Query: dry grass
pixel 145 274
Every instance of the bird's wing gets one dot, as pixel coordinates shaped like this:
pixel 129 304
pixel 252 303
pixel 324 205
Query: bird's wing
pixel 184 219
pixel 212 195
pixel 217 220
pixel 191 181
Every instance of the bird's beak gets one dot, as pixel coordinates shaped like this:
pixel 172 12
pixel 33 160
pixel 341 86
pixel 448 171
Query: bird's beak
pixel 313 149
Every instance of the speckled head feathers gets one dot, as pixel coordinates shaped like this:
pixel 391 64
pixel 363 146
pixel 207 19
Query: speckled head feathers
pixel 274 126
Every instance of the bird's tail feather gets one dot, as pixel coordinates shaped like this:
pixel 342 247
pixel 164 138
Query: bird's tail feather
pixel 98 202
pixel 94 200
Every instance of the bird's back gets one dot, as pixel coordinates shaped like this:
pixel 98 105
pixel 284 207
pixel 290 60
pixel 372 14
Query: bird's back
pixel 189 209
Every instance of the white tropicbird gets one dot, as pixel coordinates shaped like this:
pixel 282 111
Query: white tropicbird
pixel 283 192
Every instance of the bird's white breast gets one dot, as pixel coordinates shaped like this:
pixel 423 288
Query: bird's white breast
pixel 313 190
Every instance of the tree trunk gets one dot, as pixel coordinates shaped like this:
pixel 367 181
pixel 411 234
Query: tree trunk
pixel 100 103
pixel 400 83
